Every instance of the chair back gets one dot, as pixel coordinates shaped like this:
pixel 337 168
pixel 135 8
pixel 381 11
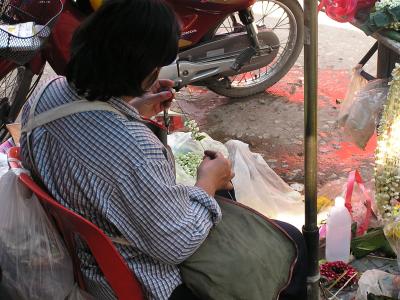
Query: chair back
pixel 121 279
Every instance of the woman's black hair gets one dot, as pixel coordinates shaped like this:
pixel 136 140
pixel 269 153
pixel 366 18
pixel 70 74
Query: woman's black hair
pixel 119 45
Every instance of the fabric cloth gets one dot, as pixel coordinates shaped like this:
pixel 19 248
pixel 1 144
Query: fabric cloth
pixel 245 257
pixel 297 289
pixel 113 171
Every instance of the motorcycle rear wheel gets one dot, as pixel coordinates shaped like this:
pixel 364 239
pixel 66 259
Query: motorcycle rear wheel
pixel 289 15
pixel 14 90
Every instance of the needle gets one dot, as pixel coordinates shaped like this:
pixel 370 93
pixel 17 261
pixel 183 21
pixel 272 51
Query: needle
pixel 167 118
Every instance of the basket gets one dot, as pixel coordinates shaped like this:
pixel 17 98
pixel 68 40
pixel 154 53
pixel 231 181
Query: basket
pixel 25 26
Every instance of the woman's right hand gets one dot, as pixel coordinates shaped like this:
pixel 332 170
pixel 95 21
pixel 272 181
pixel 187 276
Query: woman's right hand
pixel 214 173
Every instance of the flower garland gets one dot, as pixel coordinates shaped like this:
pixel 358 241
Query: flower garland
pixel 395 26
pixel 194 129
pixel 382 4
pixel 387 154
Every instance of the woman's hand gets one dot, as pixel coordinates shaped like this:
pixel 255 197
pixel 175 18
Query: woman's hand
pixel 214 173
pixel 155 100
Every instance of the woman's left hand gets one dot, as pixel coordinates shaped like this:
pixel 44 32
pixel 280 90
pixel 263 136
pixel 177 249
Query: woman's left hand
pixel 155 100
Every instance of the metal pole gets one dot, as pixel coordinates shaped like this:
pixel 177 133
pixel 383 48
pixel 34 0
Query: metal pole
pixel 310 229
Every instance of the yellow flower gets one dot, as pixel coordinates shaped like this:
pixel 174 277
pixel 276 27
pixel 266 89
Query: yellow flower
pixel 323 203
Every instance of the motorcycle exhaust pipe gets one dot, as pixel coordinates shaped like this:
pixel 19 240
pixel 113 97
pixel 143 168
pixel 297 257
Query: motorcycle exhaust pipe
pixel 186 72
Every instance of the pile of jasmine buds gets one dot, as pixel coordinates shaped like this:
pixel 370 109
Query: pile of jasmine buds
pixel 189 162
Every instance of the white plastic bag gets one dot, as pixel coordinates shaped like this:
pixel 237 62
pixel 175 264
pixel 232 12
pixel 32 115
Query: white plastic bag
pixel 182 142
pixel 259 187
pixel 364 113
pixel 378 283
pixel 357 82
pixel 35 263
pixel 78 294
pixel 3 164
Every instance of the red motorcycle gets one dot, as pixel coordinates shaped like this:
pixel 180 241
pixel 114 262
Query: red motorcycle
pixel 235 48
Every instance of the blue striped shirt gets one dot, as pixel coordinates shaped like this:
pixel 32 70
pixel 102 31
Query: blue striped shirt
pixel 113 171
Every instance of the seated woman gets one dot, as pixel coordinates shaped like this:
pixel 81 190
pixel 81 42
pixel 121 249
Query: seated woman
pixel 110 167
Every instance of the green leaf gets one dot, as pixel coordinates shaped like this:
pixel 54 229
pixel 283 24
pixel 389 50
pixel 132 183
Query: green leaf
pixel 370 242
pixel 322 261
pixel 201 137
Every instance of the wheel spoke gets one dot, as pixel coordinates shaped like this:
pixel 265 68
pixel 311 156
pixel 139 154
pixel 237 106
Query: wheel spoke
pixel 262 6
pixel 271 11
pixel 272 15
pixel 279 21
pixel 280 24
pixel 267 14
pixel 231 26
pixel 9 83
pixel 227 31
pixel 6 83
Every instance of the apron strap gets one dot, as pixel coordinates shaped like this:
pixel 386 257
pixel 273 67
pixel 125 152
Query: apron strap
pixel 56 113
pixel 66 110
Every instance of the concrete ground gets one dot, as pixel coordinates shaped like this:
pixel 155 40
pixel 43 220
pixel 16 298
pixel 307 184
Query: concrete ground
pixel 272 122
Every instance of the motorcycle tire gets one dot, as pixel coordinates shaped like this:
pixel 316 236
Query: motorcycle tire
pixel 14 90
pixel 223 85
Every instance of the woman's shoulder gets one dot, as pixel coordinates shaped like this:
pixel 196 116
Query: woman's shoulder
pixel 52 92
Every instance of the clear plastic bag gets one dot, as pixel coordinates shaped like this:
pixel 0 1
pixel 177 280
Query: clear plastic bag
pixel 182 142
pixel 339 187
pixel 35 262
pixel 357 82
pixel 259 187
pixel 378 283
pixel 364 113
pixel 357 194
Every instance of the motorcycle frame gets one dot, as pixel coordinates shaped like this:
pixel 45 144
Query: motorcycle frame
pixel 199 20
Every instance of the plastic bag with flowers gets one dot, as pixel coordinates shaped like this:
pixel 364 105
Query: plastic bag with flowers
pixel 188 149
pixel 387 170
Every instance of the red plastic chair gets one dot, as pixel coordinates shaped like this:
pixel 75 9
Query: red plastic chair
pixel 118 275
